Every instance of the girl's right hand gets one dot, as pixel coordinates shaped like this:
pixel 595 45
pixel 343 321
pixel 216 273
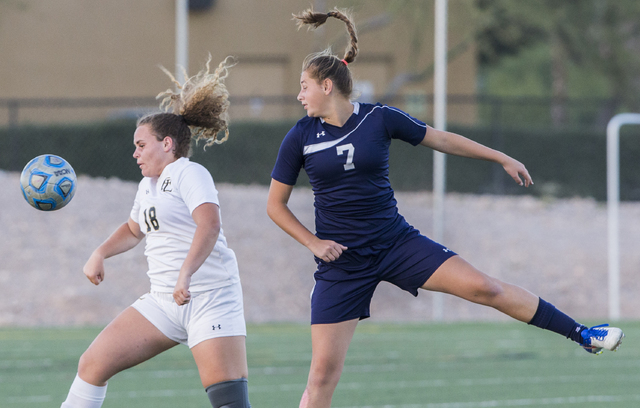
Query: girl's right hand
pixel 181 294
pixel 327 250
pixel 94 269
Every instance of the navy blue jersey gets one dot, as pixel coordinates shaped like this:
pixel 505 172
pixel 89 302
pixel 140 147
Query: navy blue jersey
pixel 348 168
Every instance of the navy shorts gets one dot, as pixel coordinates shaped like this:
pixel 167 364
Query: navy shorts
pixel 344 289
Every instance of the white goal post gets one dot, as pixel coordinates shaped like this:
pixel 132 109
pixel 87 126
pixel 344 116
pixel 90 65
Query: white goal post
pixel 613 204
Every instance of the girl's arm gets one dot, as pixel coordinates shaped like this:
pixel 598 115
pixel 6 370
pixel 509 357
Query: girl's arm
pixel 207 219
pixel 452 143
pixel 278 210
pixel 123 239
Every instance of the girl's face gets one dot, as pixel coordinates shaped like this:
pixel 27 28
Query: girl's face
pixel 313 95
pixel 151 154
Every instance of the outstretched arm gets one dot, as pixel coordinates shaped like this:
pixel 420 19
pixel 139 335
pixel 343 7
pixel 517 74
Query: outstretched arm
pixel 278 210
pixel 125 237
pixel 452 143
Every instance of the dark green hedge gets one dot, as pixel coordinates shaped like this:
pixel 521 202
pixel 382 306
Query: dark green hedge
pixel 562 163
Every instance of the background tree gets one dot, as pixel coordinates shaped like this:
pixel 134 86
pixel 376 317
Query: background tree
pixel 587 37
pixel 569 48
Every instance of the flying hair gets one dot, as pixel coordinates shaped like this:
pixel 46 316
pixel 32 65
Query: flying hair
pixel 324 64
pixel 314 20
pixel 202 101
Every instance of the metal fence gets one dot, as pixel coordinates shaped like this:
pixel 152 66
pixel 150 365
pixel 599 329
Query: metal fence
pixel 469 110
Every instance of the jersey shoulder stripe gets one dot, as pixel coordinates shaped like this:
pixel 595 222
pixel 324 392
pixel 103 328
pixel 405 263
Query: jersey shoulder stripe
pixel 405 115
pixel 317 147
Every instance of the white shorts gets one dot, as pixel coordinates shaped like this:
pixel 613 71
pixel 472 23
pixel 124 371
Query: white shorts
pixel 214 313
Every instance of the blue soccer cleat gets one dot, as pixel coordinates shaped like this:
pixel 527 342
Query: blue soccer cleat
pixel 597 338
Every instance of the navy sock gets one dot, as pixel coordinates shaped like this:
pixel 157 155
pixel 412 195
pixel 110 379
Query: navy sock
pixel 549 318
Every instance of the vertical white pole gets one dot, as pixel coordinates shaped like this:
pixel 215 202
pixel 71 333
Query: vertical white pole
pixel 439 122
pixel 182 39
pixel 613 204
pixel 319 33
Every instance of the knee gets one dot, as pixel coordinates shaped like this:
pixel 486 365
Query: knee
pixel 324 374
pixel 85 364
pixel 487 289
pixel 89 369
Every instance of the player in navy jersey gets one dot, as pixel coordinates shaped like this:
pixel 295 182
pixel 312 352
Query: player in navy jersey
pixel 360 238
pixel 195 297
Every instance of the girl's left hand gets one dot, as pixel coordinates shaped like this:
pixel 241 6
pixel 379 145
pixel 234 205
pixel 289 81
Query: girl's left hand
pixel 181 293
pixel 516 169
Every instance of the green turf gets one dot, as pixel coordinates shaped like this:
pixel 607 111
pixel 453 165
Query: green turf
pixel 462 365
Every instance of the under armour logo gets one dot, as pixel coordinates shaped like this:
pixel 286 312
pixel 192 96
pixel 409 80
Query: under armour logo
pixel 446 249
pixel 146 191
pixel 320 134
pixel 219 327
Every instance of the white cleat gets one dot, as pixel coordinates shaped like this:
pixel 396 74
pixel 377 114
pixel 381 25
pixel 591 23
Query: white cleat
pixel 598 338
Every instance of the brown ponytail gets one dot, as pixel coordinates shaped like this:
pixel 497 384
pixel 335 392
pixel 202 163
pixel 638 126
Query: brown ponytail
pixel 324 64
pixel 197 111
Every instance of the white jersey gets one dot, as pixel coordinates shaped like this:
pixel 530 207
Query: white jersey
pixel 163 209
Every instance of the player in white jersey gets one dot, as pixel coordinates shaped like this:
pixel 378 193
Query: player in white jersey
pixel 360 238
pixel 195 297
pixel 172 197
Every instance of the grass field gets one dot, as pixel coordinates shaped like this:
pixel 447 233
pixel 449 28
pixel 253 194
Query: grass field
pixel 461 365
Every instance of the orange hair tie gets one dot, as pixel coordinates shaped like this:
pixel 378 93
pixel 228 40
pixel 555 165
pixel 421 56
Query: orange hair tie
pixel 345 62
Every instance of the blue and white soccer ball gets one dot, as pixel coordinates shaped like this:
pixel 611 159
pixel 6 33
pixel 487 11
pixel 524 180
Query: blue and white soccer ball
pixel 48 182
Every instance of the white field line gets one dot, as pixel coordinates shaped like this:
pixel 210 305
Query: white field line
pixel 527 402
pixel 298 387
pixel 35 399
pixel 484 382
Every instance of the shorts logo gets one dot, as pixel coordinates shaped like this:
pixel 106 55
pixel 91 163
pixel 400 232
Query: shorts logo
pixel 219 327
pixel 446 249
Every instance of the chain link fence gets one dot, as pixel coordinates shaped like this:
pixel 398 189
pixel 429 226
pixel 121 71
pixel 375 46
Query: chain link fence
pixel 471 110
pixel 563 148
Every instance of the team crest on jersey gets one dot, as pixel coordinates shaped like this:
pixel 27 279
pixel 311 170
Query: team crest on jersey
pixel 166 185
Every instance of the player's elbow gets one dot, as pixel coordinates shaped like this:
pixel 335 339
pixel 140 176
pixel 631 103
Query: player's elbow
pixel 271 211
pixel 213 228
pixel 276 210
pixel 274 206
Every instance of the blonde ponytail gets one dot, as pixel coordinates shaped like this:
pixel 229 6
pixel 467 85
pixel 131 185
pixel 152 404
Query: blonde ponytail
pixel 325 64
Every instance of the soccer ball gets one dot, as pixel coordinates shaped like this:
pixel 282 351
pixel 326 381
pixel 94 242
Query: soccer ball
pixel 48 182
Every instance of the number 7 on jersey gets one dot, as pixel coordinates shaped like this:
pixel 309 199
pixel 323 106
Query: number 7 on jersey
pixel 350 150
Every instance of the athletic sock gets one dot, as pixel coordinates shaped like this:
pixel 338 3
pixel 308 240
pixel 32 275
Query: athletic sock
pixel 84 395
pixel 549 318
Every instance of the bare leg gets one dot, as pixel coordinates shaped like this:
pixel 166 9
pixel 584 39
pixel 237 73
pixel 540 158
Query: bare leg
pixel 221 359
pixel 329 343
pixel 459 278
pixel 127 341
